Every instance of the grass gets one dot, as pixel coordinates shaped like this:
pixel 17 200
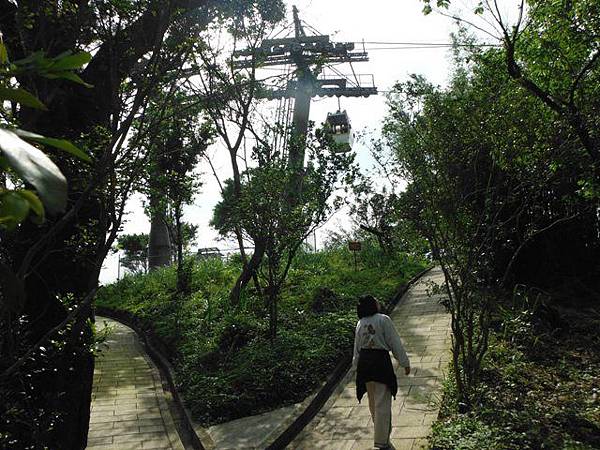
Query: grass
pixel 225 364
pixel 539 389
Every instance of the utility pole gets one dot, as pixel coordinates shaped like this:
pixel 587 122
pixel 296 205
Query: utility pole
pixel 308 53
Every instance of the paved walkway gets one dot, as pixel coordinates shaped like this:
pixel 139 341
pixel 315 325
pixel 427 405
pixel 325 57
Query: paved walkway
pixel 345 424
pixel 129 408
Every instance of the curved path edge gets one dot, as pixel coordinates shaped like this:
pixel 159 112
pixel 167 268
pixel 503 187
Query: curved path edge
pixel 198 438
pixel 129 408
pixel 335 380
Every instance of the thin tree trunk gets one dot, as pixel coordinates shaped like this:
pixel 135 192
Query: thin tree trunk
pixel 248 272
pixel 273 294
pixel 159 243
pixel 183 282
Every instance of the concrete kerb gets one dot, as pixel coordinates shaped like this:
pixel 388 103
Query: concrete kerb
pixel 199 438
pixel 169 424
pixel 310 407
pixel 324 397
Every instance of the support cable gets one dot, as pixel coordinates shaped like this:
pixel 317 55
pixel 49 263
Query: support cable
pixel 337 72
pixel 354 73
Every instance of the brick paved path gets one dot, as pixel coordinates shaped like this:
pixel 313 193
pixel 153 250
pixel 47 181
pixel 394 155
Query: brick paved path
pixel 129 409
pixel 345 424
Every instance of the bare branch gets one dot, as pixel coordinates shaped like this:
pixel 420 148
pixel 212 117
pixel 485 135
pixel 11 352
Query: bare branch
pixel 529 238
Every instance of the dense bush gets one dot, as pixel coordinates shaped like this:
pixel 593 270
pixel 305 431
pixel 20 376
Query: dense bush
pixel 539 388
pixel 226 365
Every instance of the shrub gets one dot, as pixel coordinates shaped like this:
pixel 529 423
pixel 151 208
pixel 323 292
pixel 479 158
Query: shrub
pixel 324 299
pixel 466 433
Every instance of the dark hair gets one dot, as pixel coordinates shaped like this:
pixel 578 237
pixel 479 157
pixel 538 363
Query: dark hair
pixel 367 306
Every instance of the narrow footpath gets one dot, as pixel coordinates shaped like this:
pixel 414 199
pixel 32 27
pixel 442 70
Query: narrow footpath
pixel 423 324
pixel 129 408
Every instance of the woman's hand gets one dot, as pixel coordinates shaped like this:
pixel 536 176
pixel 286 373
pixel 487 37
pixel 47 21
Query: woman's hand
pixel 407 370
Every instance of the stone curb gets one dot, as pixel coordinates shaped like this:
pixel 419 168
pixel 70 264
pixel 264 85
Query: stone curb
pixel 168 421
pixel 333 383
pixel 156 349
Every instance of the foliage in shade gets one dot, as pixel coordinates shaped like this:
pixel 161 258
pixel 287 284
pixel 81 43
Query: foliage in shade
pixel 495 185
pixel 539 388
pixel 137 48
pixel 19 157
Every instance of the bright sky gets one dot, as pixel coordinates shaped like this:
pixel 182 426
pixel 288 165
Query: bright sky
pixel 393 21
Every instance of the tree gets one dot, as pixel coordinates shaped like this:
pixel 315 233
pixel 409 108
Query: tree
pixel 493 179
pixel 438 168
pixel 375 213
pixel 135 249
pixel 185 141
pixel 263 212
pixel 174 145
pixel 231 95
pixel 37 186
pixel 551 51
pixel 135 44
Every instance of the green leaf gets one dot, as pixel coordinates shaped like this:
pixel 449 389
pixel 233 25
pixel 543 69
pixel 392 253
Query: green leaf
pixel 22 97
pixel 33 58
pixel 34 201
pixel 13 209
pixel 66 75
pixel 13 291
pixel 68 61
pixel 31 164
pixel 3 54
pixel 61 144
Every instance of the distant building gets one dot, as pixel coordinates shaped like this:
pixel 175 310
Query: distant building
pixel 209 252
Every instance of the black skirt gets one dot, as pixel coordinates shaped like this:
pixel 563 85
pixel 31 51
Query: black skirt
pixel 374 365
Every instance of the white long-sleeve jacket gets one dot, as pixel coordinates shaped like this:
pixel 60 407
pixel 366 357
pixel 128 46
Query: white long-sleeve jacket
pixel 378 332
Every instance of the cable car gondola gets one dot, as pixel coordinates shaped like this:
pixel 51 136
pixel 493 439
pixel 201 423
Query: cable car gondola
pixel 341 130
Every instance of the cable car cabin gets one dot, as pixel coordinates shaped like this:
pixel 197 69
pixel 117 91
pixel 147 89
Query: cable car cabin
pixel 341 130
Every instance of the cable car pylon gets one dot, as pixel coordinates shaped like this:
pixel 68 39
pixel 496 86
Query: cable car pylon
pixel 308 53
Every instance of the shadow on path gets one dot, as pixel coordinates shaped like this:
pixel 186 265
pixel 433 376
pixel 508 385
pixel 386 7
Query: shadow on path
pixel 424 326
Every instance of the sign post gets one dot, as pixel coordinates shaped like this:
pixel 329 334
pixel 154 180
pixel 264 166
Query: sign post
pixel 354 246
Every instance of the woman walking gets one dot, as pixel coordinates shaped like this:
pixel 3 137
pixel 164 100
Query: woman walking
pixel 375 337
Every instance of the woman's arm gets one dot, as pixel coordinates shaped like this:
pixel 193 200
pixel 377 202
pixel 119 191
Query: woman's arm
pixel 394 342
pixel 356 346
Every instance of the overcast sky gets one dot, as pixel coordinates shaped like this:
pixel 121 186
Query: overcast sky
pixel 393 21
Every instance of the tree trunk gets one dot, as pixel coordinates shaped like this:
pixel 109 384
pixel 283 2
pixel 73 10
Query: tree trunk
pixel 273 295
pixel 67 265
pixel 183 272
pixel 379 235
pixel 159 243
pixel 248 271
